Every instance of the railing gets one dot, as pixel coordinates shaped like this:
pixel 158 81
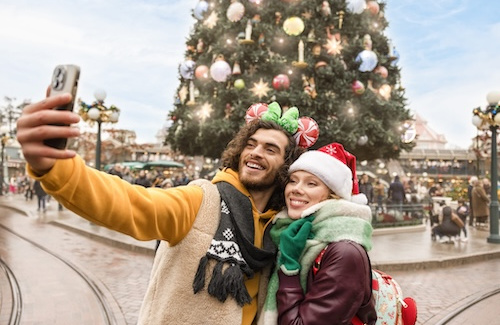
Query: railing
pixel 392 215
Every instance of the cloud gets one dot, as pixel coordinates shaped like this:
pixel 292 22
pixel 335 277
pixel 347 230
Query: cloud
pixel 131 49
pixel 447 57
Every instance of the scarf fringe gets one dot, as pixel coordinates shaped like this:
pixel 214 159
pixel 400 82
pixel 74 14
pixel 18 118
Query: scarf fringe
pixel 199 279
pixel 234 281
pixel 223 284
pixel 216 287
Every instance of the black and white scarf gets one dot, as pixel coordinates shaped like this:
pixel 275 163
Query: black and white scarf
pixel 233 249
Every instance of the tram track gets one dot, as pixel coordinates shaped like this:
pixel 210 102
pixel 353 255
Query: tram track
pixel 451 317
pixel 11 302
pixel 107 312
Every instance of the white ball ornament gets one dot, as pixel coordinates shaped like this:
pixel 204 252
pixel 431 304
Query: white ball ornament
pixel 200 10
pixel 368 60
pixel 220 71
pixel 362 140
pixel 235 11
pixel 356 6
pixel 186 69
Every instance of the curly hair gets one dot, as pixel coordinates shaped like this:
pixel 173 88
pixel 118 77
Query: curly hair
pixel 231 156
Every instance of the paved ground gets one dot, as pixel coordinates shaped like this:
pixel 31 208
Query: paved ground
pixel 442 278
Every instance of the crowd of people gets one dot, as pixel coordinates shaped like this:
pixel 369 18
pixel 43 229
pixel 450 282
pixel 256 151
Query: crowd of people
pixel 149 178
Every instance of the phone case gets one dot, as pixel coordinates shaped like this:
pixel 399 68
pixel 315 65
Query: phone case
pixel 64 80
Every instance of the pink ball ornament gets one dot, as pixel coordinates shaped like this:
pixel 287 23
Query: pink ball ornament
pixel 201 72
pixel 373 7
pixel 281 82
pixel 357 87
pixel 255 112
pixel 382 71
pixel 307 133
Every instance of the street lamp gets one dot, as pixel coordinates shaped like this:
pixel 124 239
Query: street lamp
pixel 484 120
pixel 4 136
pixel 98 113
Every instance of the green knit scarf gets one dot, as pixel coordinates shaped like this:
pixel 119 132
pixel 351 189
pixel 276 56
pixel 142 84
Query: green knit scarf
pixel 334 220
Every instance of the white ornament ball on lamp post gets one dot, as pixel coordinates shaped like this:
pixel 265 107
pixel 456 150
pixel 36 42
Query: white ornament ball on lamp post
pixel 114 117
pixel 100 95
pixel 94 113
pixel 493 97
pixel 476 120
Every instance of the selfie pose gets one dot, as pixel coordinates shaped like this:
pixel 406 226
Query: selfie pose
pixel 216 254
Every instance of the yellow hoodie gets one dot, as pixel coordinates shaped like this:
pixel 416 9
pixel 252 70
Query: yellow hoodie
pixel 143 213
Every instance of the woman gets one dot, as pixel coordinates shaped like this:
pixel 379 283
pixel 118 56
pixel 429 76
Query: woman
pixel 325 215
pixel 447 228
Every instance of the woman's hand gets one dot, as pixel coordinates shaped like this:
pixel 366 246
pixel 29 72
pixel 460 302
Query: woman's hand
pixel 293 241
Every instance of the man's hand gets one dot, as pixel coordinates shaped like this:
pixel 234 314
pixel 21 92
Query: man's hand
pixel 34 126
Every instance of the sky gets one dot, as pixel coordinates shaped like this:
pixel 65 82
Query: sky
pixel 132 50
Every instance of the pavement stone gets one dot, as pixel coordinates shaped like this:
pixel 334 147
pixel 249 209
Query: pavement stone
pixel 441 277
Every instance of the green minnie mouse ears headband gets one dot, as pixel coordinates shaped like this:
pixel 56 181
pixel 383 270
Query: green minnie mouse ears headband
pixel 305 130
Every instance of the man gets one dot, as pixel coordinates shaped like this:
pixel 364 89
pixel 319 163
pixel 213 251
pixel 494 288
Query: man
pixel 396 193
pixel 469 197
pixel 480 202
pixel 143 179
pixel 213 269
pixel 366 187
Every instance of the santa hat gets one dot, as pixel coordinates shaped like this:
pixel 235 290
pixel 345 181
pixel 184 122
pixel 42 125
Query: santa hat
pixel 335 167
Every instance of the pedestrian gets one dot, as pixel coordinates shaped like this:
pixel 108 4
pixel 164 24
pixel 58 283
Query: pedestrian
pixel 447 227
pixel 205 227
pixel 116 170
pixel 41 196
pixel 435 193
pixel 469 197
pixel 326 218
pixel 463 212
pixel 28 193
pixel 127 175
pixel 366 187
pixel 142 179
pixel 396 193
pixel 480 202
pixel 379 192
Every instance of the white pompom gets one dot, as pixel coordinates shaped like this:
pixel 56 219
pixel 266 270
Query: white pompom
pixel 359 198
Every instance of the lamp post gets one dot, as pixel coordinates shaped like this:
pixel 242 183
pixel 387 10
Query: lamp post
pixel 98 113
pixel 4 136
pixel 484 120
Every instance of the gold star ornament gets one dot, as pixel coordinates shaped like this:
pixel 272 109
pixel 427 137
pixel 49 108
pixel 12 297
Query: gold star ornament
pixel 260 89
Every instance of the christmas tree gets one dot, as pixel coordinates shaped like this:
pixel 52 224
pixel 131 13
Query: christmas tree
pixel 330 59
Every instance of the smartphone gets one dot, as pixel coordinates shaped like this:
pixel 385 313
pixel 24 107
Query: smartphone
pixel 64 80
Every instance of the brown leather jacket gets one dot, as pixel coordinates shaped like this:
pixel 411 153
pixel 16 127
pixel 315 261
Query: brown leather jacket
pixel 340 290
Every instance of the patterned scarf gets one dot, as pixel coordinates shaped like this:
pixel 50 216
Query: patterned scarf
pixel 233 250
pixel 334 220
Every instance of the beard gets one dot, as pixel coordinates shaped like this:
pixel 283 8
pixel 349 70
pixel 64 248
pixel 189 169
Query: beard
pixel 259 185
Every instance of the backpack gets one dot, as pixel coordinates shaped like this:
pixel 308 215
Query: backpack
pixel 390 306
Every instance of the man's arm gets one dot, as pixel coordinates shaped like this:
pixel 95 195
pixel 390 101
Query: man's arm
pixel 97 196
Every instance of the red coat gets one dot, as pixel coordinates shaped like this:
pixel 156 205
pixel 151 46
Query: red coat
pixel 340 290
